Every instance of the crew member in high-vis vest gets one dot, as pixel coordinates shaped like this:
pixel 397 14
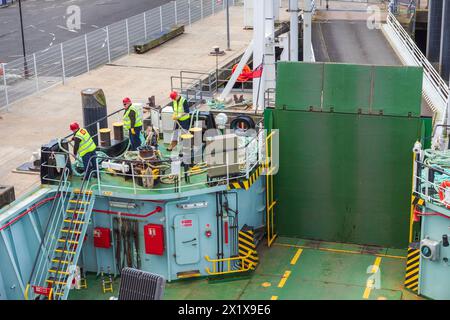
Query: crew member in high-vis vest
pixel 132 121
pixel 84 147
pixel 181 117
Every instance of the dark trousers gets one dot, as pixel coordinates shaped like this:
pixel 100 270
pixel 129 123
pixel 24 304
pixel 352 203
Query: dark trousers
pixel 89 163
pixel 135 139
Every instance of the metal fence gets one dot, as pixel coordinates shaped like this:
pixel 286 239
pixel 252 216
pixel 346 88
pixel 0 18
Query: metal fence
pixel 56 64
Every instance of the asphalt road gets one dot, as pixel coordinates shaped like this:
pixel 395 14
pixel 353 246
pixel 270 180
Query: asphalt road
pixel 351 42
pixel 45 21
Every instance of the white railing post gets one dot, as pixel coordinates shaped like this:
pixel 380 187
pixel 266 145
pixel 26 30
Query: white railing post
pixel 134 179
pixel 108 44
pixel 35 72
pixel 212 5
pixel 176 14
pixel 4 85
pixel 160 18
pixel 189 6
pixel 62 65
pixel 201 9
pixel 145 25
pixel 128 36
pixel 87 51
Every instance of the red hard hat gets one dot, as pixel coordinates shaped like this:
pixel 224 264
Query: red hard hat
pixel 74 126
pixel 126 100
pixel 173 95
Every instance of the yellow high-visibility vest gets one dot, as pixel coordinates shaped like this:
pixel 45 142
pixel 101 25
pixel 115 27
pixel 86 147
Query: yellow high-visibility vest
pixel 127 120
pixel 178 109
pixel 87 144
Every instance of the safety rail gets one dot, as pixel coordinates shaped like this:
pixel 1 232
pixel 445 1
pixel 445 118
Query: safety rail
pixel 428 184
pixel 48 242
pixel 65 270
pixel 41 70
pixel 270 167
pixel 435 89
pixel 241 266
pixel 249 155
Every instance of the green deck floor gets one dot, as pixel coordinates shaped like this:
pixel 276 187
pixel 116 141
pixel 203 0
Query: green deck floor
pixel 322 271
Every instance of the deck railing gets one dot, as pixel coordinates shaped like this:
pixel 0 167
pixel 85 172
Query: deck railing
pixel 248 156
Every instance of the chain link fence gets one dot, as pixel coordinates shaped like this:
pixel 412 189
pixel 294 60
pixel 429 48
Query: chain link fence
pixel 56 64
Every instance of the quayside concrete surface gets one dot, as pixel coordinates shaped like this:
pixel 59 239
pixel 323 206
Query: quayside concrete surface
pixel 34 121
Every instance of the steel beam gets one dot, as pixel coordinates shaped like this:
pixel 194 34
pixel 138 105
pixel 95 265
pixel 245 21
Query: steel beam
pixel 434 30
pixel 445 41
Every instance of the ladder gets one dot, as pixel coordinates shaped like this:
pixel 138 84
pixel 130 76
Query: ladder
pixel 55 267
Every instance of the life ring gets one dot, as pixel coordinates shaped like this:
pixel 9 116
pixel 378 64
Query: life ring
pixel 243 76
pixel 444 184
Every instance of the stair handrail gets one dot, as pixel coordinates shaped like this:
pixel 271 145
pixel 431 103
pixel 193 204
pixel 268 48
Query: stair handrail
pixel 80 204
pixel 420 58
pixel 55 205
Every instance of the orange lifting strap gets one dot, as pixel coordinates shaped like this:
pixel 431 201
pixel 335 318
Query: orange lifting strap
pixel 243 77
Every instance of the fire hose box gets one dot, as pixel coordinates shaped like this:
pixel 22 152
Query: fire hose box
pixel 102 238
pixel 7 195
pixel 154 239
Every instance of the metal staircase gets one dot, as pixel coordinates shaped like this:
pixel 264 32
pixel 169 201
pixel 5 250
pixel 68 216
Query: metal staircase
pixel 60 249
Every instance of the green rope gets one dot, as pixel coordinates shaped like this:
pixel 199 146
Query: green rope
pixel 439 160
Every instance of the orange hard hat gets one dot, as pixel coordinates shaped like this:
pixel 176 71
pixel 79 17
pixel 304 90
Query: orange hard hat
pixel 74 126
pixel 173 95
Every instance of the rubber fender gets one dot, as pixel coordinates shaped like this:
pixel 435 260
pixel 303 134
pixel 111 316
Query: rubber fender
pixel 246 120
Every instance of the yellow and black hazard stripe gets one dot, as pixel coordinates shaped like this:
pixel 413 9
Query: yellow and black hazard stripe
pixel 246 184
pixel 412 270
pixel 247 245
pixel 416 200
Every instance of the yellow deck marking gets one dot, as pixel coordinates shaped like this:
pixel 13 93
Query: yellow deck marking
pixel 284 279
pixel 338 251
pixel 296 256
pixel 369 285
pixel 274 298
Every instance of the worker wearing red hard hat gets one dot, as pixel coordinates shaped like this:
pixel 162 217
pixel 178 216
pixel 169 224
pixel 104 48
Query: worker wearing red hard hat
pixel 84 147
pixel 180 115
pixel 132 121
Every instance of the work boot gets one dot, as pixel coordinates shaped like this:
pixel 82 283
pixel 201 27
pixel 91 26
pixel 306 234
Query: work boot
pixel 172 146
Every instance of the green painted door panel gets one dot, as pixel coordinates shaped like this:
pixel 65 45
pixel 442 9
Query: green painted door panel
pixel 345 177
pixel 299 85
pixel 347 88
pixel 396 90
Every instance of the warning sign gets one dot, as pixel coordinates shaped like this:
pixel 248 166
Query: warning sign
pixel 186 223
